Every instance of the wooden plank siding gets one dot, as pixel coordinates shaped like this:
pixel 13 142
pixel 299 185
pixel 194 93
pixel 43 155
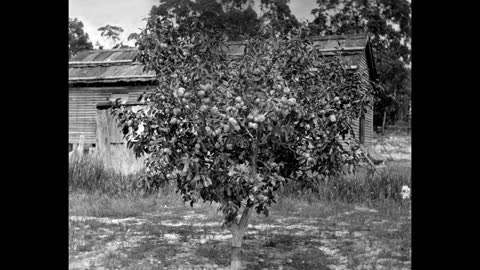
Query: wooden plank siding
pixel 82 109
pixel 362 68
pixel 111 145
pixel 365 77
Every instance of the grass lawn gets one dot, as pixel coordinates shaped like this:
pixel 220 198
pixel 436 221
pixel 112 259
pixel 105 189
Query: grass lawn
pixel 160 232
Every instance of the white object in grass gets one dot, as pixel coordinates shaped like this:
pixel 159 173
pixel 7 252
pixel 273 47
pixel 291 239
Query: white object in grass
pixel 405 192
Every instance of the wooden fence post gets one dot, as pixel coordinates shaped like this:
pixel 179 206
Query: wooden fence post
pixel 103 138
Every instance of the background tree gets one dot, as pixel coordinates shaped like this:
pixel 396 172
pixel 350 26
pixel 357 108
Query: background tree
pixel 389 24
pixel 98 45
pixel 236 18
pixel 134 37
pixel 112 34
pixel 282 19
pixel 77 38
pixel 232 131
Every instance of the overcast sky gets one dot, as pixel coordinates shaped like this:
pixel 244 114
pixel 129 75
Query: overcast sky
pixel 129 14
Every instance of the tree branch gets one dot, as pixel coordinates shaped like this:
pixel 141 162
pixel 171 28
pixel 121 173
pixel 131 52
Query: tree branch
pixel 245 217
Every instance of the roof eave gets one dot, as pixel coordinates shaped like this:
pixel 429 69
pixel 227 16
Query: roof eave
pixel 138 78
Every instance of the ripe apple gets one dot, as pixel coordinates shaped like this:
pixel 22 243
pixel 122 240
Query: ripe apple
pixel 260 118
pixel 206 100
pixel 286 90
pixel 254 125
pixel 292 101
pixel 176 111
pixel 181 91
pixel 232 120
pixel 238 99
pixel 214 110
pixel 336 99
pixel 208 130
pixel 203 108
pixel 332 118
pixel 226 128
pixel 201 93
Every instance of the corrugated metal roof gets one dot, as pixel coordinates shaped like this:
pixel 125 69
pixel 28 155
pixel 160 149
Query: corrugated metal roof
pixel 95 66
pixel 104 55
pixel 102 71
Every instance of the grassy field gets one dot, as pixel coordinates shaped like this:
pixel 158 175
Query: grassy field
pixel 332 228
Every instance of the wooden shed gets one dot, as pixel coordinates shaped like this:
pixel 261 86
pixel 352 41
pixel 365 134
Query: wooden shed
pixel 357 51
pixel 97 76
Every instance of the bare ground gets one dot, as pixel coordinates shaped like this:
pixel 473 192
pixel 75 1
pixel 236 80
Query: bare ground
pixel 322 237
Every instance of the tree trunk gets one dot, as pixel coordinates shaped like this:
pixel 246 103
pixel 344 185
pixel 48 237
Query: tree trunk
pixel 239 228
pixel 236 258
pixel 238 231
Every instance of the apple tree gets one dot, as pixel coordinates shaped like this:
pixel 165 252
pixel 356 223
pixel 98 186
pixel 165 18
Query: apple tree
pixel 233 130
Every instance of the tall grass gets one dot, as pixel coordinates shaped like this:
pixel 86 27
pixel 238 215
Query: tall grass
pixel 363 187
pixel 87 173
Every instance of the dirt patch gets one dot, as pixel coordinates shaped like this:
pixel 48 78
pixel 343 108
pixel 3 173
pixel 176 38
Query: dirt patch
pixel 354 238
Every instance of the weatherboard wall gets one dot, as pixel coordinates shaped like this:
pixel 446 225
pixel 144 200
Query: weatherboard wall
pixel 359 60
pixel 82 108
